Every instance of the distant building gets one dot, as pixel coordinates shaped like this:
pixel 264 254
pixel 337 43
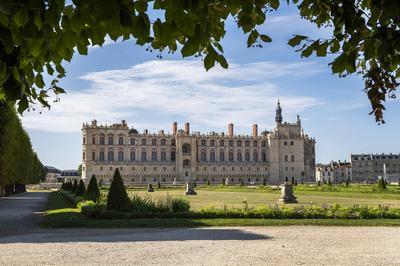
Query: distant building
pixel 273 156
pixel 53 175
pixel 336 171
pixel 67 175
pixel 369 167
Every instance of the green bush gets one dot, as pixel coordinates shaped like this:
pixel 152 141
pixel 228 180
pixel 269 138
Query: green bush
pixel 74 187
pixel 381 184
pixel 93 192
pixel 117 197
pixel 81 189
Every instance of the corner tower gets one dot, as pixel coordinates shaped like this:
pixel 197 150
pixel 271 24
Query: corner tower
pixel 278 115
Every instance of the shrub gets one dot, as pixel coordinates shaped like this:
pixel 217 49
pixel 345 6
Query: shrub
pixel 264 181
pixel 180 205
pixel 347 182
pixel 158 184
pixel 329 182
pixel 74 187
pixel 208 182
pixel 81 189
pixel 381 184
pixel 117 197
pixel 93 192
pixel 319 183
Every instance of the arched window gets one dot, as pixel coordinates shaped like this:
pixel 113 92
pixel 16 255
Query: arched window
pixel 239 156
pixel 222 156
pixel 255 143
pixel 143 156
pixel 120 156
pixel 239 143
pixel 133 155
pixel 255 156
pixel 144 142
pixel 110 140
pixel 83 155
pixel 163 156
pixel 247 143
pixel 212 156
pixel 120 141
pixel 110 156
pixel 203 143
pixel 186 163
pixel 102 142
pixel 222 143
pixel 153 142
pixel 247 156
pixel 186 148
pixel 203 156
pixel 212 143
pixel 230 156
pixel 172 156
pixel 101 155
pixel 264 156
pixel 133 142
pixel 163 142
pixel 263 143
pixel 230 143
pixel 93 140
pixel 154 156
pixel 84 140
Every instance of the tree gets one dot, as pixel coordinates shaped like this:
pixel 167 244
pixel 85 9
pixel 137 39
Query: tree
pixel 74 187
pixel 81 189
pixel 381 184
pixel 117 198
pixel 329 182
pixel 347 182
pixel 38 36
pixel 80 170
pixel 92 192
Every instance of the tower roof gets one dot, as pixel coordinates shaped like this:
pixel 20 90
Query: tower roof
pixel 278 115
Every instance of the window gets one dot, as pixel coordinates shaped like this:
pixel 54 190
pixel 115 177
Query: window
pixel 153 142
pixel 222 156
pixel 144 142
pixel 163 142
pixel 110 140
pixel 101 155
pixel 239 143
pixel 239 156
pixel 203 156
pixel 286 158
pixel 120 141
pixel 230 156
pixel 154 156
pixel 221 143
pixel 84 140
pixel 143 156
pixel 255 156
pixel 172 142
pixel 83 156
pixel 255 143
pixel 133 142
pixel 230 143
pixel 186 148
pixel 292 143
pixel 110 156
pixel 120 156
pixel 263 143
pixel 133 155
pixel 292 158
pixel 212 143
pixel 203 143
pixel 247 143
pixel 102 140
pixel 172 156
pixel 212 156
pixel 93 140
pixel 163 156
pixel 186 163
pixel 263 156
pixel 285 143
pixel 93 156
pixel 247 156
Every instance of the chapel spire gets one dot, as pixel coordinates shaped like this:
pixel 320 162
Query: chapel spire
pixel 278 116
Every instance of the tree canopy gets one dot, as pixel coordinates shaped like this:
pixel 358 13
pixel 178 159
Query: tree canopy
pixel 37 36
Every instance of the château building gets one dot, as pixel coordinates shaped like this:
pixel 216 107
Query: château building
pixel 369 167
pixel 270 156
pixel 335 171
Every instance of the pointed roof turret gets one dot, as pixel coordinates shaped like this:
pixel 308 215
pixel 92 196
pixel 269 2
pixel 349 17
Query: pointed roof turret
pixel 278 116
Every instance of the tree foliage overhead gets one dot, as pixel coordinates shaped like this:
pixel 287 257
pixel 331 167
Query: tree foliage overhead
pixel 37 36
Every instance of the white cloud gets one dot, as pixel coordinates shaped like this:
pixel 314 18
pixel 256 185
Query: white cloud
pixel 155 93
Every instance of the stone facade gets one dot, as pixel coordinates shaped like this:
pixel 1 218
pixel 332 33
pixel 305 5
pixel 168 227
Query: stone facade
pixel 146 157
pixel 336 171
pixel 369 167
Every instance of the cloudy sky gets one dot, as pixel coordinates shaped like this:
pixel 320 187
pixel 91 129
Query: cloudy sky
pixel 122 81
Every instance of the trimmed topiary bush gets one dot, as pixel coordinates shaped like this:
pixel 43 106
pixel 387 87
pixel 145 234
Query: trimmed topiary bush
pixel 93 192
pixel 81 189
pixel 74 187
pixel 117 198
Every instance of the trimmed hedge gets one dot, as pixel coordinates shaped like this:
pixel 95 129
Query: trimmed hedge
pixel 272 212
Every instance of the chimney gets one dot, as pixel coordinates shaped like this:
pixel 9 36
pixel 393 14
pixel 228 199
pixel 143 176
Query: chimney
pixel 255 130
pixel 230 130
pixel 145 132
pixel 94 123
pixel 187 128
pixel 174 128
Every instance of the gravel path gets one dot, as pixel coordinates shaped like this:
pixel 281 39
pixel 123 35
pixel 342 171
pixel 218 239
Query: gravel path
pixel 294 245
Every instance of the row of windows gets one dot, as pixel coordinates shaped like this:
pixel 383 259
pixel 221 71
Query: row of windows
pixel 213 143
pixel 197 168
pixel 291 158
pixel 144 142
pixel 212 156
pixel 132 156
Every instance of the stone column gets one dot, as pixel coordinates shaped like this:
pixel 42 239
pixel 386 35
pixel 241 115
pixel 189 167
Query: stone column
pixel 287 195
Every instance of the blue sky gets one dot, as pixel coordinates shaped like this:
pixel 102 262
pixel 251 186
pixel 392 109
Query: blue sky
pixel 123 81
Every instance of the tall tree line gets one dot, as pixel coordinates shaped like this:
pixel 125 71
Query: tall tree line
pixel 19 164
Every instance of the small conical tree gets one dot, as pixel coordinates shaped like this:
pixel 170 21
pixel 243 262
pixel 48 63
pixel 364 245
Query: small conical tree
pixel 295 182
pixel 117 198
pixel 319 183
pixel 292 180
pixel 62 186
pixel 81 189
pixel 92 192
pixel 329 182
pixel 264 181
pixel 208 182
pixel 74 187
pixel 242 183
pixel 158 184
pixel 347 182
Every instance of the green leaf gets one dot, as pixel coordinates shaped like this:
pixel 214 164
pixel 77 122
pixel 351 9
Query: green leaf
pixel 39 81
pixel 3 20
pixel 308 51
pixel 140 6
pixel 265 38
pixel 37 20
pixel 21 17
pixel 23 104
pixel 209 61
pixel 252 38
pixel 58 90
pixel 222 61
pixel 296 40
pixel 190 48
pixel 321 50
